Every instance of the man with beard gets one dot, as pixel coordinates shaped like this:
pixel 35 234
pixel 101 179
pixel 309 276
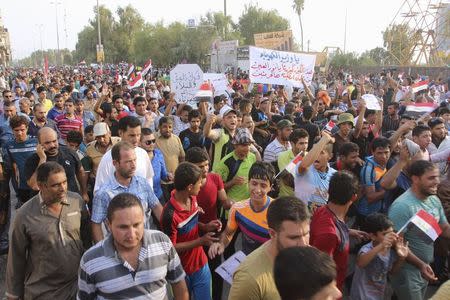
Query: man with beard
pixel 40 120
pixel 48 149
pixel 280 143
pixel 348 159
pixel 46 245
pixel 288 222
pixel 85 115
pixel 439 140
pixel 411 281
pixel 129 131
pixel 124 180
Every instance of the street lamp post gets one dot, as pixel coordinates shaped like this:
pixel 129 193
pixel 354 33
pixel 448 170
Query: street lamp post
pixel 58 58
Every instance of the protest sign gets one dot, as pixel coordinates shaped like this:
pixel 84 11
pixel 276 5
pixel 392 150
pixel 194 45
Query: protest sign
pixel 185 80
pixel 219 82
pixel 228 267
pixel 371 102
pixel 279 67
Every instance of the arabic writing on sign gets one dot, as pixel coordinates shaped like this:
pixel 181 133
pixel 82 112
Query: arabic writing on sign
pixel 279 67
pixel 185 80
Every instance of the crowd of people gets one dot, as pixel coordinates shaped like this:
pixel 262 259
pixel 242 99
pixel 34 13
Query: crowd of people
pixel 130 194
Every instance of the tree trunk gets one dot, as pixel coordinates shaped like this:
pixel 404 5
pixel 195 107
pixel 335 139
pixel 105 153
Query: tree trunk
pixel 301 30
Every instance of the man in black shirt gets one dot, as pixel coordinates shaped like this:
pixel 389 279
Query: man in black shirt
pixel 48 149
pixel 193 136
pixel 304 122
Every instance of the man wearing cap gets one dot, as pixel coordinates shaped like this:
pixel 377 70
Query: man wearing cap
pixel 345 133
pixel 154 93
pixel 103 142
pixel 280 143
pixel 234 167
pixel 221 137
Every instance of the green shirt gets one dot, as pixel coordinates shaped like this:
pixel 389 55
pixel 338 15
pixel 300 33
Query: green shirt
pixel 284 158
pixel 406 206
pixel 225 167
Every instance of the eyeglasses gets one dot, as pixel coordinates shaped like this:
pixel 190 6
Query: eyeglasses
pixel 149 142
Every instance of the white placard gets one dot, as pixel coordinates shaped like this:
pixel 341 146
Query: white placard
pixel 219 82
pixel 371 102
pixel 279 67
pixel 185 80
pixel 228 267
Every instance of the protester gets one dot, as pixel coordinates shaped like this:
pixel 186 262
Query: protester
pixel 127 254
pixel 305 273
pixel 411 281
pixel 180 222
pixel 280 143
pixel 124 180
pixel 45 245
pixel 288 222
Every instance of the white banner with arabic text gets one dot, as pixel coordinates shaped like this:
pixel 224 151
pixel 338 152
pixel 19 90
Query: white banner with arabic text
pixel 279 67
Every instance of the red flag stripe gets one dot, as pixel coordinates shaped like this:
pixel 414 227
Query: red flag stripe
pixel 430 220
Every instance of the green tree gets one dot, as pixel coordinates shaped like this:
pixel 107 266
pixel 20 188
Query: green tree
pixel 257 20
pixel 298 7
pixel 342 60
pixel 399 41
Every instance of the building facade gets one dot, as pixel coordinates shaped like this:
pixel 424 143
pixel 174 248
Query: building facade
pixel 5 46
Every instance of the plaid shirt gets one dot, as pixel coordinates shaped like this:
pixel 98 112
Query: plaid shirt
pixel 138 187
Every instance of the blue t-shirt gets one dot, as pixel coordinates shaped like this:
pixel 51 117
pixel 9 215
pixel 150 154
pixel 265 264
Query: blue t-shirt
pixel 18 153
pixel 371 174
pixel 312 186
pixel 369 283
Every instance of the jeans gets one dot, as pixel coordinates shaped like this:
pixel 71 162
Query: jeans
pixel 199 284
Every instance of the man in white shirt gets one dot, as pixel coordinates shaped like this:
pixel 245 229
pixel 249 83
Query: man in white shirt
pixel 280 143
pixel 129 131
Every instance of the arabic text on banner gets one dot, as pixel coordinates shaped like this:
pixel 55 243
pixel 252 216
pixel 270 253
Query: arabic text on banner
pixel 185 80
pixel 279 67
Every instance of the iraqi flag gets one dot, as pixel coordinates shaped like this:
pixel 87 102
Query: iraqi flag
pixel 147 67
pixel 130 70
pixel 136 82
pixel 419 86
pixel 425 223
pixel 419 109
pixel 290 167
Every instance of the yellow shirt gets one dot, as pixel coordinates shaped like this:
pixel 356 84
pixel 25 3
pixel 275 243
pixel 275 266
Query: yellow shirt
pixel 172 149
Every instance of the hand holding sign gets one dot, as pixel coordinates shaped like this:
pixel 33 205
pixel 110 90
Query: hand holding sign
pixel 371 102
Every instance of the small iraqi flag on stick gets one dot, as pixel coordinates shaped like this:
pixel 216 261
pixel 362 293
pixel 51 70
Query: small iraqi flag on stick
pixel 424 222
pixel 290 167
pixel 419 86
pixel 418 109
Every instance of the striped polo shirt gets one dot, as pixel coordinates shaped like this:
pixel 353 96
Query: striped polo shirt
pixel 252 223
pixel 65 125
pixel 181 226
pixel 105 275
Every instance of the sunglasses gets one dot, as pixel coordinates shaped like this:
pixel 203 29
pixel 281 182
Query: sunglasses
pixel 149 142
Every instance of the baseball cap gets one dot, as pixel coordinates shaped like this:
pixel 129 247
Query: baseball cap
pixel 345 118
pixel 242 137
pixel 100 129
pixel 225 110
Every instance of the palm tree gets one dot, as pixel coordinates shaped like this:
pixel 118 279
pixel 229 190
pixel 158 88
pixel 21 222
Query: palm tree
pixel 298 7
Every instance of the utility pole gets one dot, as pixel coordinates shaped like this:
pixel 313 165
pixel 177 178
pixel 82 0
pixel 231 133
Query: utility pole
pixel 225 8
pixel 100 52
pixel 345 30
pixel 58 58
pixel 40 37
pixel 308 44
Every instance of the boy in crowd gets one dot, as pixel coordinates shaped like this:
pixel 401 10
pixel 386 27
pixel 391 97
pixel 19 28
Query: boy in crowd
pixel 250 216
pixel 193 136
pixel 384 254
pixel 180 222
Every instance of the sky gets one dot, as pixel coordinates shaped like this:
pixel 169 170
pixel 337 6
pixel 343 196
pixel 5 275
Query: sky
pixel 323 20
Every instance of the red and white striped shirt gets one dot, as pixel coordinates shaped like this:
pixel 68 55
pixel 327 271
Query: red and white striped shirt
pixel 65 124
